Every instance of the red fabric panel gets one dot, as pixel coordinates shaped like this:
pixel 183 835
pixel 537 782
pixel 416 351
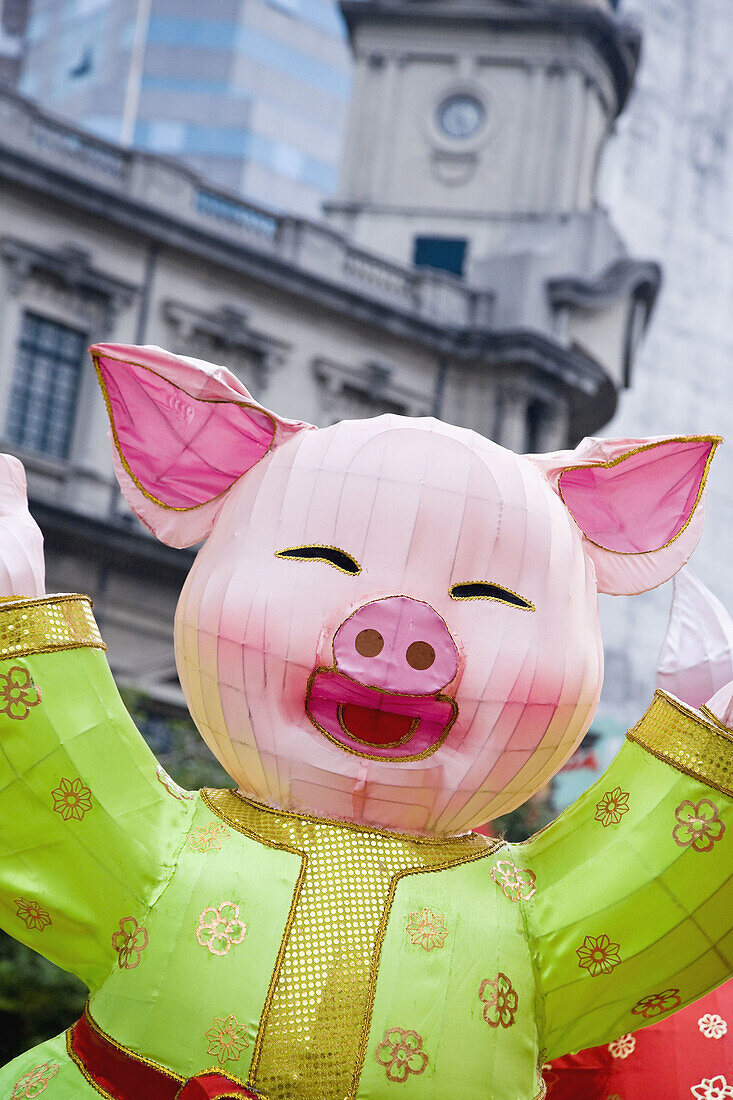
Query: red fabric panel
pixel 124 1077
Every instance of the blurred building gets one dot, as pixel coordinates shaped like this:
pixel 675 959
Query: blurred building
pixel 13 20
pixel 251 94
pixel 668 177
pixel 465 271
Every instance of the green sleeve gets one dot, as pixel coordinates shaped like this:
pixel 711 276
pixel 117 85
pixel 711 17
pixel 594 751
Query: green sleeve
pixel 88 831
pixel 631 917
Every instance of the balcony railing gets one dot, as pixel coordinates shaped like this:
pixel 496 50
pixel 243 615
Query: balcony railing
pixel 161 184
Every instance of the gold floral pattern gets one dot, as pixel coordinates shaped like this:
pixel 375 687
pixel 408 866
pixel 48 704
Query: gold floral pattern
pixel 72 799
pixel 220 928
pixel 698 825
pixel 18 693
pixel 622 1047
pixel 712 1026
pixel 34 1082
pixel 427 929
pixel 32 914
pixel 400 1052
pixel 227 1039
pixel 713 1088
pixel 129 941
pixel 598 955
pixel 517 883
pixel 656 1004
pixel 171 786
pixel 205 838
pixel 500 1001
pixel 612 807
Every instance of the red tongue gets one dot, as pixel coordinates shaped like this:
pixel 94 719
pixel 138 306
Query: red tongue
pixel 378 727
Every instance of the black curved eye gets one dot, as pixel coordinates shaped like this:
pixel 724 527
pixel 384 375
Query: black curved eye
pixel 482 590
pixel 330 554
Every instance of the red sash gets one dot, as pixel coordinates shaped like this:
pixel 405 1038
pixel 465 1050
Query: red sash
pixel 122 1075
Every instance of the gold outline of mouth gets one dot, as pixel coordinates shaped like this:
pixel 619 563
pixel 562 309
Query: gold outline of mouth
pixel 440 698
pixel 374 744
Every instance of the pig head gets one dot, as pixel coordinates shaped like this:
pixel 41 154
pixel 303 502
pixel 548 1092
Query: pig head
pixel 392 621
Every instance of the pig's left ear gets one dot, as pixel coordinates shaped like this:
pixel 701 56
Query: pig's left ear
pixel 184 433
pixel 638 503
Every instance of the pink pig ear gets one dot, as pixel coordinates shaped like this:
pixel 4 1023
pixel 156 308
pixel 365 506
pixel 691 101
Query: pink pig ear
pixel 184 433
pixel 637 502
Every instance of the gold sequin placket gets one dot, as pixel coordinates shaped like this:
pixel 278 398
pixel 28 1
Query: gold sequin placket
pixel 46 625
pixel 679 736
pixel 317 1012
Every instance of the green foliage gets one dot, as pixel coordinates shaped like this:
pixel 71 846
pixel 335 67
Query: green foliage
pixel 37 999
pixel 527 819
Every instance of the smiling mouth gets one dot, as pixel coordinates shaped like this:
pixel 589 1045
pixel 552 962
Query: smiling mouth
pixel 375 727
pixel 377 724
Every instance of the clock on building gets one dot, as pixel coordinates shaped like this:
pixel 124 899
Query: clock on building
pixel 461 115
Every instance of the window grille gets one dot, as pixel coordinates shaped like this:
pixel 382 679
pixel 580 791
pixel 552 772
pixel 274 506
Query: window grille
pixel 44 390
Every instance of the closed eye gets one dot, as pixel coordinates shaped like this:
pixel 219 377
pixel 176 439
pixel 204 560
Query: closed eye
pixel 330 554
pixel 482 590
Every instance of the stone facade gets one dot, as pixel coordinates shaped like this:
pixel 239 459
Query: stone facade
pixel 98 242
pixel 668 177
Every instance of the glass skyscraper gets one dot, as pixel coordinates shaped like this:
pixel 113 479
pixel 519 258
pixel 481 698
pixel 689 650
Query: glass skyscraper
pixel 251 93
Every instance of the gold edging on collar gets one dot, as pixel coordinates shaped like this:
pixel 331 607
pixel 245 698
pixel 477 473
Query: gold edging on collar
pixel 68 624
pixel 720 725
pixel 681 749
pixel 228 815
pixel 716 440
pixel 96 356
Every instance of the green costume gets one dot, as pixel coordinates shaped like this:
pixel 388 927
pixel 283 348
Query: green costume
pixel 320 960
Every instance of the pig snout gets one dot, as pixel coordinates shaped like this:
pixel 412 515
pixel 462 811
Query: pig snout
pixel 397 644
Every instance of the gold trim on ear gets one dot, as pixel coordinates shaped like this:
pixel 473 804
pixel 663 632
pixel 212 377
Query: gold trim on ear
pixel 714 439
pixel 96 356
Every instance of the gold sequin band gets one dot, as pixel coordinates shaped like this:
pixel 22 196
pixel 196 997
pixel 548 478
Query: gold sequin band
pixel 688 741
pixel 315 1024
pixel 46 625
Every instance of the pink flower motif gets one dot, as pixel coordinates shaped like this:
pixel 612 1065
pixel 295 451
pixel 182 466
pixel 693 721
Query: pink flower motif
pixel 205 838
pixel 622 1047
pixel 401 1054
pixel 18 693
pixel 32 914
pixel 427 929
pixel 517 883
pixel 598 955
pixel 34 1082
pixel 612 807
pixel 171 786
pixel 712 1026
pixel 656 1004
pixel 698 825
pixel 500 1001
pixel 713 1088
pixel 129 942
pixel 72 799
pixel 227 1039
pixel 220 929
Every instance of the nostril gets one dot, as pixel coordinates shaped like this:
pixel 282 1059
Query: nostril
pixel 420 655
pixel 369 643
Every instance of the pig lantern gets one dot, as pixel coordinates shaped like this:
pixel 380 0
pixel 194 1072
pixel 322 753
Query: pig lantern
pixel 389 637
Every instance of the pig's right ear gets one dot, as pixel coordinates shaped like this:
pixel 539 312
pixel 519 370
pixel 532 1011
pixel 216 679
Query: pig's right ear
pixel 184 432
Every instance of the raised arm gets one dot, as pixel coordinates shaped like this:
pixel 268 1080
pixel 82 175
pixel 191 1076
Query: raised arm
pixel 88 833
pixel 631 917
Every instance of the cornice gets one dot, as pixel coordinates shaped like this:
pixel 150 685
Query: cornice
pixel 617 42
